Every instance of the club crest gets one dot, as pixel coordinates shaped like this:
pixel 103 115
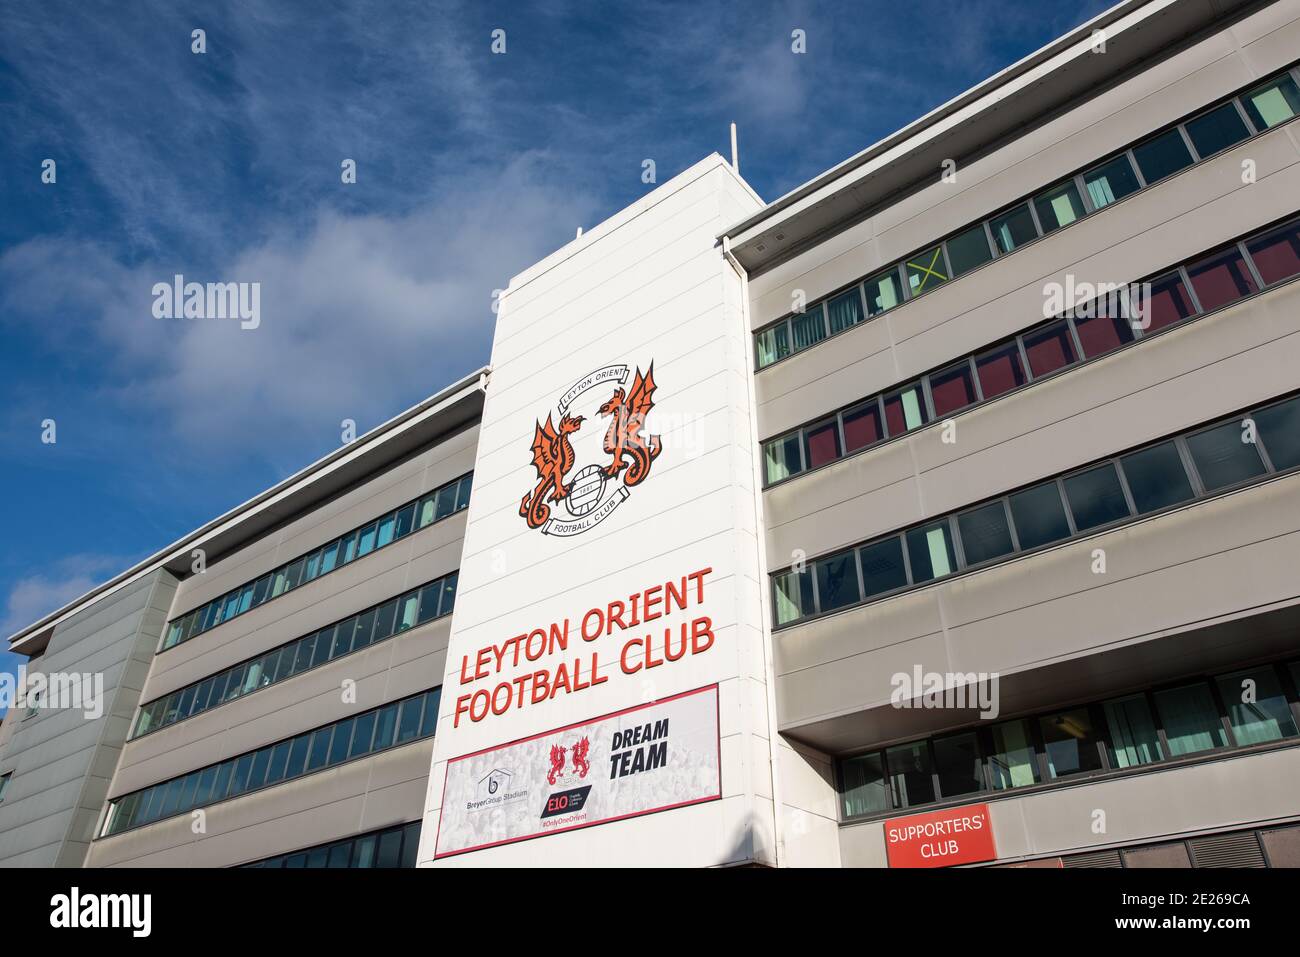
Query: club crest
pixel 591 492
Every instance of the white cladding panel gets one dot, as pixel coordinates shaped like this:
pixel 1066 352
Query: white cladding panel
pixel 632 587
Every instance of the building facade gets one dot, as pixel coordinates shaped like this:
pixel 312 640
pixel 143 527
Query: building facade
pixel 941 512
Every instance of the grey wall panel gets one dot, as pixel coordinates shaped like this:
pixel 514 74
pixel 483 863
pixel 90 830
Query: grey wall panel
pixel 1213 366
pixel 62 759
pixel 1204 562
pixel 310 810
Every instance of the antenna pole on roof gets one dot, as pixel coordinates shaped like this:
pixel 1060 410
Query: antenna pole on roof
pixel 735 154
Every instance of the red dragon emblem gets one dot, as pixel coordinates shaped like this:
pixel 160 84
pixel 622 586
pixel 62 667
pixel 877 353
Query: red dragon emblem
pixel 579 757
pixel 553 457
pixel 623 440
pixel 581 488
pixel 557 763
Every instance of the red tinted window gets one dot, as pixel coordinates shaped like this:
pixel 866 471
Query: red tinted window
pixel 1168 303
pixel 1277 253
pixel 862 427
pixel 1101 334
pixel 1000 370
pixel 952 389
pixel 905 410
pixel 1221 279
pixel 822 444
pixel 1049 349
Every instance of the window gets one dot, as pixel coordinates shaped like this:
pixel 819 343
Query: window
pixel 793 592
pixel 822 443
pixel 1100 334
pixel 1166 304
pixel 1273 103
pixel 837 581
pixel 1014 228
pixel 1096 497
pixel 1070 742
pixel 1132 736
pixel 781 458
pixel 355 852
pixel 4 783
pixel 845 310
pixel 957 764
pixel 1156 478
pixel 1013 762
pixel 1218 129
pixel 385 725
pixel 1000 370
pixel 968 250
pixel 1223 456
pixel 862 426
pixel 1059 207
pixel 930 552
pixel 363 732
pixel 428 605
pixel 911 780
pixel 1221 279
pixel 1257 708
pixel 1190 720
pixel 1279 426
pixel 377 534
pixel 341 741
pixel 926 270
pixel 985 533
pixel 883 292
pixel 808 329
pixel 1039 515
pixel 1111 181
pixel 1162 155
pixel 905 410
pixel 1049 349
pixel 408 720
pixel 1276 254
pixel 883 568
pixel 952 389
pixel 864 785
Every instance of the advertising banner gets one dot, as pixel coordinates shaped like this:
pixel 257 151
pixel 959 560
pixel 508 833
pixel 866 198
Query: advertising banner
pixel 652 757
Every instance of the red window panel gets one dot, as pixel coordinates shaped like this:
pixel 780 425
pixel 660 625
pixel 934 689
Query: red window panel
pixel 952 389
pixel 1000 370
pixel 862 427
pixel 1169 302
pixel 823 444
pixel 1277 253
pixel 1102 334
pixel 1049 349
pixel 1221 279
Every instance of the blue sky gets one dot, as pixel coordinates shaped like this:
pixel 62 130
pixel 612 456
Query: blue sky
pixel 470 166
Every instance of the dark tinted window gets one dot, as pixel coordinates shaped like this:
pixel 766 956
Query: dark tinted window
pixel 882 566
pixel 1156 478
pixel 1279 425
pixel 957 763
pixel 1222 456
pixel 1013 228
pixel 809 328
pixel 1095 497
pixel 1110 181
pixel 864 785
pixel 984 533
pixel 837 581
pixel 1162 156
pixel 781 457
pixel 926 270
pixel 1058 207
pixel 905 410
pixel 1071 743
pixel 910 778
pixel 930 552
pixel 845 310
pixel 968 250
pixel 1039 515
pixel 1217 129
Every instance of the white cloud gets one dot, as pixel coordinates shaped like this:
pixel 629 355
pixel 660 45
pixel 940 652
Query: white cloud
pixel 34 596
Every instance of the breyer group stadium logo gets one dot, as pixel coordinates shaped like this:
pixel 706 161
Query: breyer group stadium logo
pixel 632 454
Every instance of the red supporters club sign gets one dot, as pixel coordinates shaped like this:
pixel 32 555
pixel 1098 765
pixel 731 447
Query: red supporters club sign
pixel 961 835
